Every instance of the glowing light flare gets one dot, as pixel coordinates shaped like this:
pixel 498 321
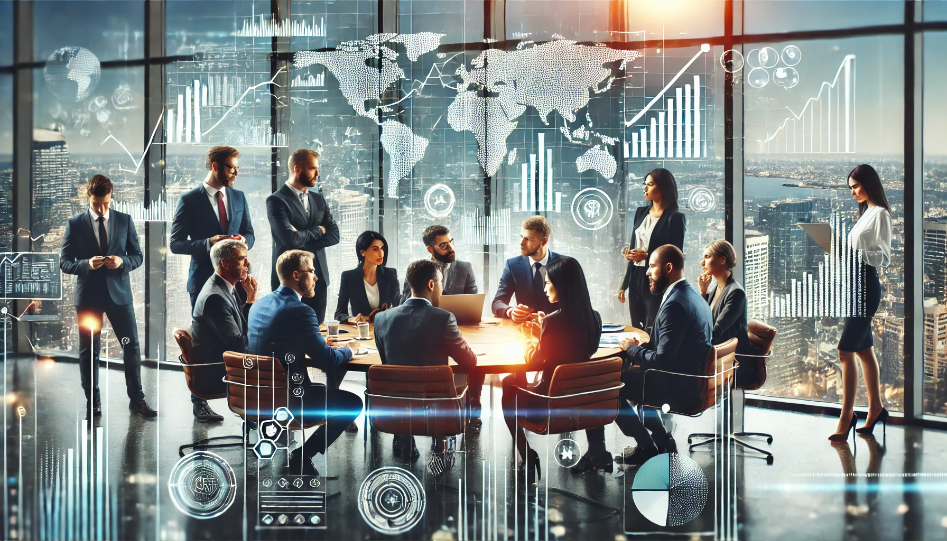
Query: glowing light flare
pixel 90 323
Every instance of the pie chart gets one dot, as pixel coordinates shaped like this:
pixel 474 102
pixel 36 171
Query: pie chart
pixel 670 490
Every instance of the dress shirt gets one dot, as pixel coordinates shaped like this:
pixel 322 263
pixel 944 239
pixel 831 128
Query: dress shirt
pixel 302 196
pixel 668 290
pixel 872 234
pixel 212 195
pixel 95 225
pixel 542 265
pixel 643 236
pixel 371 291
pixel 422 299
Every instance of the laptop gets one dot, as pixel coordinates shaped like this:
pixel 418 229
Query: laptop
pixel 821 234
pixel 468 309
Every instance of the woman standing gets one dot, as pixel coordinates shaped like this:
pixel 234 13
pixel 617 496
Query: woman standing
pixel 370 286
pixel 726 297
pixel 568 335
pixel 656 224
pixel 872 235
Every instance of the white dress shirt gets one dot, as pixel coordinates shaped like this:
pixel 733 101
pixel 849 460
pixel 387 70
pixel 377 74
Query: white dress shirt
pixel 95 225
pixel 643 237
pixel 212 195
pixel 542 265
pixel 872 234
pixel 302 196
pixel 371 291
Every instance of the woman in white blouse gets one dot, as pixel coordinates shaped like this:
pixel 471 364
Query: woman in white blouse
pixel 370 286
pixel 658 223
pixel 872 235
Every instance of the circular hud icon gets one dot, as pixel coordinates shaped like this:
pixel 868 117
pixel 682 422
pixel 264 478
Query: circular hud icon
pixel 701 199
pixel 592 209
pixel 439 200
pixel 202 485
pixel 391 500
pixel 567 453
pixel 670 490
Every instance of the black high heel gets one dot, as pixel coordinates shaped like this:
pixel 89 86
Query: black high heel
pixel 869 427
pixel 844 435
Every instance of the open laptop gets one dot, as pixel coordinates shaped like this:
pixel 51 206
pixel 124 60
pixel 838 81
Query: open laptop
pixel 821 234
pixel 468 309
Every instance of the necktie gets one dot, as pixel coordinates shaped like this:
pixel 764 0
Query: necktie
pixel 222 210
pixel 539 297
pixel 302 201
pixel 103 237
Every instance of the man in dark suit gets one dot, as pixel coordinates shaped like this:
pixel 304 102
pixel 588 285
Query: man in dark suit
pixel 458 276
pixel 209 213
pixel 283 327
pixel 101 247
pixel 680 340
pixel 418 333
pixel 525 275
pixel 219 319
pixel 300 220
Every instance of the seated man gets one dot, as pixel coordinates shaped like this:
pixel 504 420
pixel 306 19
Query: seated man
pixel 219 319
pixel 524 276
pixel 417 333
pixel 680 340
pixel 283 327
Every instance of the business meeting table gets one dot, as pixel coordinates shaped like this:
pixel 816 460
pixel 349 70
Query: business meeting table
pixel 498 343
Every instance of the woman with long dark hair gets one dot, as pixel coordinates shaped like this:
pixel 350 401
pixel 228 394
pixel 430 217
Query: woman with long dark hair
pixel 568 335
pixel 872 235
pixel 371 285
pixel 658 223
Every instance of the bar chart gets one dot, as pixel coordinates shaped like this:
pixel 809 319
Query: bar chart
pixel 826 124
pixel 157 211
pixel 272 27
pixel 311 81
pixel 835 290
pixel 479 229
pixel 537 192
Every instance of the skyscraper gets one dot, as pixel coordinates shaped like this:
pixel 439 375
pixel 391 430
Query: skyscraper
pixel 51 186
pixel 935 339
pixel 791 250
pixel 935 259
pixel 756 275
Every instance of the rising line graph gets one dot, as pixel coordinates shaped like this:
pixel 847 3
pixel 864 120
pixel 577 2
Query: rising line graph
pixel 703 49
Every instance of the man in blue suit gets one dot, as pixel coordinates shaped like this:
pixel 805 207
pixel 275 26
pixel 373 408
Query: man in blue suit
pixel 680 341
pixel 525 275
pixel 100 247
pixel 209 213
pixel 282 326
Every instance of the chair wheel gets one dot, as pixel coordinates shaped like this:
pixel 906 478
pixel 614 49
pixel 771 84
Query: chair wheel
pixel 769 460
pixel 769 439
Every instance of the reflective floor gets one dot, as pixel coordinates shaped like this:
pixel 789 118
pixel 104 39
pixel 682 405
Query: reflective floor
pixel 887 487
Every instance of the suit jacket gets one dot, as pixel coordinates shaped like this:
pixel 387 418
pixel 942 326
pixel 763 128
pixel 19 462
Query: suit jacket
pixel 517 279
pixel 681 336
pixel 195 223
pixel 729 314
pixel 458 280
pixel 418 334
pixel 558 344
pixel 218 324
pixel 280 325
pixel 79 245
pixel 352 291
pixel 668 230
pixel 285 213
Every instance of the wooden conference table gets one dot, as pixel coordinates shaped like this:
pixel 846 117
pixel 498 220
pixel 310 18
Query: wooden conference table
pixel 498 343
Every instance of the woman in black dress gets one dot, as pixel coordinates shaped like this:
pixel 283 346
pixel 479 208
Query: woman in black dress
pixel 568 335
pixel 872 235
pixel 371 285
pixel 658 223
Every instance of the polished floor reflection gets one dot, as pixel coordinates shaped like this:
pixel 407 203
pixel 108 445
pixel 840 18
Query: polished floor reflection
pixel 891 486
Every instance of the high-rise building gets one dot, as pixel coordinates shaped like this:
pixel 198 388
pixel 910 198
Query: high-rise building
pixel 892 350
pixel 756 275
pixel 935 339
pixel 935 259
pixel 51 186
pixel 791 250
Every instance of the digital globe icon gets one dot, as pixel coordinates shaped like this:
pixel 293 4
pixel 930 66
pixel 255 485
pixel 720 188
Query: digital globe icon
pixel 202 485
pixel 72 73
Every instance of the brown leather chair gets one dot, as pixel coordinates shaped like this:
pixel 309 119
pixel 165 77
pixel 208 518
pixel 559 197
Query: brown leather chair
pixel 415 401
pixel 750 376
pixel 203 380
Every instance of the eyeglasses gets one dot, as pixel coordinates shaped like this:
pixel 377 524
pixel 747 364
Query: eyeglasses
pixel 310 271
pixel 232 168
pixel 445 245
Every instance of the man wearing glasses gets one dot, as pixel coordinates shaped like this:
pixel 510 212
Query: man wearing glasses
pixel 300 220
pixel 206 215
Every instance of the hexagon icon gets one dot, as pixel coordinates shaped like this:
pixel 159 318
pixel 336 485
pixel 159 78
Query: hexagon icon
pixel 283 416
pixel 264 449
pixel 270 430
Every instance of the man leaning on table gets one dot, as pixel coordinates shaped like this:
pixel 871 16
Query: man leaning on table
pixel 418 333
pixel 525 275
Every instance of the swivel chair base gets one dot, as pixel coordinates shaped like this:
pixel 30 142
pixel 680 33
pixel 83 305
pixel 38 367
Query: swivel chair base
pixel 715 438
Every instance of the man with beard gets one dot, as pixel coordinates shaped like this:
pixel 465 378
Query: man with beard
pixel 219 320
pixel 212 212
pixel 525 275
pixel 282 326
pixel 680 340
pixel 300 220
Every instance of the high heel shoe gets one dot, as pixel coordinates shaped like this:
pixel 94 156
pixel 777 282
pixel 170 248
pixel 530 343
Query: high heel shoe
pixel 869 427
pixel 843 436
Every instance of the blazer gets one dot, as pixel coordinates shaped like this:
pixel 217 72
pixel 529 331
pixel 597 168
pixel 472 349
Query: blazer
pixel 280 325
pixel 218 323
pixel 558 345
pixel 458 280
pixel 94 287
pixel 681 336
pixel 193 225
pixel 293 229
pixel 668 230
pixel 352 291
pixel 418 334
pixel 517 279
pixel 729 314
